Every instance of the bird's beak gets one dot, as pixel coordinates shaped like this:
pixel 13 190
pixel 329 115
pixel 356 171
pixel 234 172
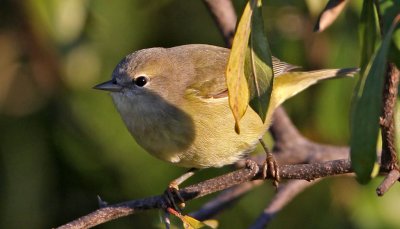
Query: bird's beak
pixel 108 86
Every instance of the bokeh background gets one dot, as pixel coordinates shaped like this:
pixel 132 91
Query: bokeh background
pixel 62 143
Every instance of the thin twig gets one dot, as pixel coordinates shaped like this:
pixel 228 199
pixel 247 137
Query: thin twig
pixel 282 129
pixel 224 200
pixel 224 15
pixel 285 194
pixel 388 182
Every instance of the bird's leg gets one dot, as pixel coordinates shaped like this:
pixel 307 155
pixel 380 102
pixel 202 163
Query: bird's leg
pixel 173 189
pixel 270 167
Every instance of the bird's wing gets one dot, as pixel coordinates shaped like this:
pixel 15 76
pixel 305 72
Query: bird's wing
pixel 281 67
pixel 210 68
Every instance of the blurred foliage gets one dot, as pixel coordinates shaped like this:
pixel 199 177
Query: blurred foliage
pixel 62 143
pixel 368 94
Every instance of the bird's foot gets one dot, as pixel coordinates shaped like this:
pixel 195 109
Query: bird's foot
pixel 170 193
pixel 270 166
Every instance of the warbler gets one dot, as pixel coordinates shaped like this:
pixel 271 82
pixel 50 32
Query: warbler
pixel 174 102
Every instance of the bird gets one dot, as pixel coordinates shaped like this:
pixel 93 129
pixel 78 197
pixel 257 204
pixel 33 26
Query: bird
pixel 174 102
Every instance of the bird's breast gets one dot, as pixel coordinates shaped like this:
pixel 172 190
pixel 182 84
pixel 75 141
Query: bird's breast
pixel 198 134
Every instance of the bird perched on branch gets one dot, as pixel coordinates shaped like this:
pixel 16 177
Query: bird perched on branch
pixel 174 102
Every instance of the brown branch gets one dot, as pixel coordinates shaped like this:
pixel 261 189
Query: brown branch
pixel 389 155
pixel 302 171
pixel 224 15
pixel 329 14
pixel 115 211
pixel 388 182
pixel 389 158
pixel 285 194
pixel 313 171
pixel 224 200
pixel 283 130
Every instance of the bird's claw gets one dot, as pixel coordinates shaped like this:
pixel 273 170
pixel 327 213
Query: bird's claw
pixel 170 193
pixel 271 169
pixel 270 166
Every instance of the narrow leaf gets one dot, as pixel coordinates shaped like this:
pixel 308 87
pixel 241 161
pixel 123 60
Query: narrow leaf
pixel 258 65
pixel 368 33
pixel 192 223
pixel 394 55
pixel 365 119
pixel 235 78
pixel 368 36
pixel 396 39
pixel 329 14
pixel 389 11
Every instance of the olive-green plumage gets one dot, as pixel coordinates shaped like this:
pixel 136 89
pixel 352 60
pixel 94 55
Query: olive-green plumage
pixel 174 102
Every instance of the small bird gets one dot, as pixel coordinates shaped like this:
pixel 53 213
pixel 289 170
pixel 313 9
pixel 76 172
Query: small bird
pixel 174 102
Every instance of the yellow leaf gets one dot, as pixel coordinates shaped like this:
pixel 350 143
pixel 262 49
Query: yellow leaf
pixel 212 223
pixel 192 223
pixel 235 78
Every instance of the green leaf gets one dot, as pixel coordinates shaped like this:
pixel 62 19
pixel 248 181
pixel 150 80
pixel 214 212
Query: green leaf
pixel 258 65
pixel 249 72
pixel 396 39
pixel 235 79
pixel 368 33
pixel 368 36
pixel 390 9
pixel 367 109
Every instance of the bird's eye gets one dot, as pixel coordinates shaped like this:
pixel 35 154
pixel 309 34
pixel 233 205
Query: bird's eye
pixel 140 81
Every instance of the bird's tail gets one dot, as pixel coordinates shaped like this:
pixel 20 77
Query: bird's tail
pixel 290 83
